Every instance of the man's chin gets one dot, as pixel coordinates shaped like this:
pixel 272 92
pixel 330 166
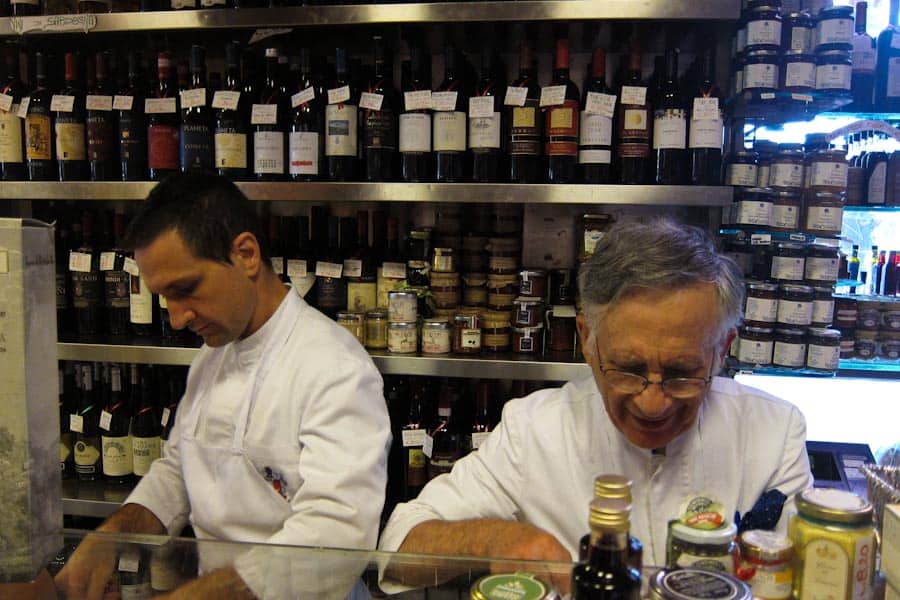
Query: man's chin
pixel 650 435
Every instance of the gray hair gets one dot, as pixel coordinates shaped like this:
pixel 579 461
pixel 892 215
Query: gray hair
pixel 658 255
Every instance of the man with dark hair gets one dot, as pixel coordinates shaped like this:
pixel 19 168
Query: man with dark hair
pixel 282 434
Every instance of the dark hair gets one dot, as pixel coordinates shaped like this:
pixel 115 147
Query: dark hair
pixel 206 210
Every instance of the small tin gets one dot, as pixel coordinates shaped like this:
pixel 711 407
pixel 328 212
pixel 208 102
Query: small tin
pixel 402 337
pixel 518 586
pixel 696 584
pixel 435 337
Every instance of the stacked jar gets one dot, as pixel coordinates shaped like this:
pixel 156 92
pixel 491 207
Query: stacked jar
pixel 877 335
pixel 504 256
pixel 402 327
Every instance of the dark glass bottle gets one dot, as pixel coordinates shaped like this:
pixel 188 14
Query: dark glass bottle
pixel 331 293
pixel 145 425
pixel 524 123
pixel 670 127
pixel 116 283
pixel 231 119
pixel 300 268
pixel 449 126
pixel 706 130
pixel 115 443
pixel 67 406
pixel 887 65
pixel 94 6
pixel 485 132
pixel 605 575
pixel 69 126
pixel 380 126
pixel 561 122
pixel 396 395
pixel 172 384
pixel 12 128
pixel 269 130
pixel 307 135
pixel 610 486
pixel 65 243
pixel 101 124
pixel 633 125
pixel 86 425
pixel 595 137
pixel 413 438
pixel 87 283
pixel 143 308
pixel 361 280
pixel 862 81
pixel 447 434
pixel 39 127
pixel 161 108
pixel 342 124
pixel 132 123
pixel 415 124
pixel 26 8
pixel 196 149
pixel 484 417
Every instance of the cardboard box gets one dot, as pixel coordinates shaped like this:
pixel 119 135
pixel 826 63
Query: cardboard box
pixel 30 483
pixel 890 545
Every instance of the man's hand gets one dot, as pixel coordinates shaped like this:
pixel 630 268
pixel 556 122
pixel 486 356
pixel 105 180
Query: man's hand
pixel 88 570
pixel 526 542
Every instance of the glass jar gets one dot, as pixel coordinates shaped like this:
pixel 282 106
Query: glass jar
pixel 795 305
pixel 435 337
pixel 475 289
pixel 789 349
pixel 765 151
pixel 834 541
pixel 797 33
pixel 592 229
pixel 474 254
pixel 766 563
pixel 763 28
pixel 711 549
pixel 418 253
pixel 443 260
pixel 865 345
pixel 528 312
pixel 376 329
pixel 354 322
pixel 755 346
pixel 741 169
pixel 786 208
pixel 694 584
pixel 788 261
pixel 834 69
pixel 827 170
pixel 528 340
pixel 496 331
pixel 848 346
pixel 533 282
pixel 823 307
pixel 402 337
pixel 761 306
pixel 762 69
pixel 889 346
pixel 466 334
pixel 834 29
pixel 787 167
pixel 822 261
pixel 402 306
pixel 504 255
pixel 845 312
pixel 824 349
pixel 799 73
pixel 562 286
pixel 752 207
pixel 560 322
pixel 868 315
pixel 824 213
pixel 445 289
pixel 890 316
pixel 501 292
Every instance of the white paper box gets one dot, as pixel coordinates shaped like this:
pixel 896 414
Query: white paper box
pixel 890 545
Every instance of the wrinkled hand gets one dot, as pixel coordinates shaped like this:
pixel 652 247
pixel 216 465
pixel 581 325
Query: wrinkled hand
pixel 88 570
pixel 527 542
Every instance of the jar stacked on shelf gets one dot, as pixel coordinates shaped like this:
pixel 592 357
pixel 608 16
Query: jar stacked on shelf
pixel 870 327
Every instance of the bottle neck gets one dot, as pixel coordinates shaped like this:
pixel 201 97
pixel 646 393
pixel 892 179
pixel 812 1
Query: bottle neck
pixel 860 20
pixel 608 548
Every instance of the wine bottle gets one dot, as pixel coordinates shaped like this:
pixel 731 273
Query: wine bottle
pixel 595 138
pixel 25 8
pixel 391 271
pixel 161 108
pixel 670 127
pixel 115 425
pixel 396 396
pixel 65 243
pixel 301 265
pixel 101 123
pixel 67 406
pixel 86 425
pixel 307 135
pixel 39 127
pixel 341 123
pixel 523 121
pixel 380 124
pixel 446 445
pixel 173 385
pixel 196 149
pixel 359 269
pixel 862 80
pixel 143 307
pixel 145 425
pixel 413 438
pixel 484 418
pixel 331 293
pixel 268 121
pixel 69 125
pixel 132 123
pixel 450 102
pixel 87 283
pixel 605 574
pixel 633 124
pixel 887 65
pixel 561 121
pixel 415 122
pixel 485 123
pixel 12 128
pixel 231 119
pixel 706 130
pixel 116 283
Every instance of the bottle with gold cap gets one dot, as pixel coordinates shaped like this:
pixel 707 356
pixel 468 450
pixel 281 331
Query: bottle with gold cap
pixel 606 575
pixel 614 486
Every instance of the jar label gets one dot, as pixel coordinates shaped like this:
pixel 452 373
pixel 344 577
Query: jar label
pixel 877 183
pixel 767 32
pixel 787 355
pixel 834 31
pixel 723 563
pixel 823 357
pixel 787 268
pixel 773 583
pixel 821 269
pixel 764 76
pixel 402 308
pixel 415 132
pixel 785 216
pixel 764 310
pixel 801 39
pixel 789 175
pixel 435 341
pixel 829 174
pixel 706 134
pixel 791 312
pixel 741 39
pixel 470 338
pixel 402 340
pixel 833 77
pixel 670 129
pixel 762 175
pixel 823 312
pixel 740 175
pixel 753 212
pixel 753 352
pixel 800 75
pixel 825 219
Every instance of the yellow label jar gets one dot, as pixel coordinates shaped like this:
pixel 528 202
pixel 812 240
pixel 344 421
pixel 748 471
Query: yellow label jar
pixel 766 564
pixel 834 540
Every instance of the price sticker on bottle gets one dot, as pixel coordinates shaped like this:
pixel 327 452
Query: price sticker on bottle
pixel 264 114
pixel 5 102
pixel 635 95
pixel 123 102
pixel 371 101
pixel 79 262
pixel 105 420
pixel 296 268
pixel 352 268
pixel 130 561
pixel 327 269
pixel 76 423
pixel 444 101
pixel 479 438
pixel 101 103
pixel 166 413
pixel 303 97
pixel 428 446
pixel 553 95
pixel 107 261
pixel 131 267
pixel 515 96
pixel 481 106
pixel 393 270
pixel 277 264
pixel 155 106
pixel 23 107
pixel 62 103
pixel 418 100
pixel 413 438
pixel 194 97
pixel 706 109
pixel 226 100
pixel 600 104
pixel 339 95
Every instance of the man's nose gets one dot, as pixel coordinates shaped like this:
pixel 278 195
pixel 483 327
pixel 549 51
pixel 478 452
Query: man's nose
pixel 179 314
pixel 653 401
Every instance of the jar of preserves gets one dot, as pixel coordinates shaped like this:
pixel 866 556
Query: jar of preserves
pixel 693 584
pixel 798 32
pixel 445 289
pixel 822 261
pixel 402 337
pixel 845 312
pixel 560 321
pixel 741 169
pixel 865 344
pixel 827 170
pixel 528 312
pixel 889 345
pixel 848 346
pixel 762 69
pixel 765 150
pixel 528 340
pixel 474 289
pixel 474 254
pixel 795 305
pixel 824 213
pixel 755 346
pixel 890 316
pixel 786 208
pixel 788 262
pixel 562 286
pixel 787 167
pixel 752 207
pixel 823 307
pixel 823 349
pixel 533 282
pixel 504 255
pixel 764 28
pixel 418 253
pixel 435 336
pixel 403 306
pixel 710 549
pixel 443 260
pixel 766 563
pixel 834 70
pixel 354 322
pixel 834 29
pixel 592 229
pixel 834 541
pixel 376 329
pixel 799 73
pixel 466 334
pixel 789 349
pixel 868 315
pixel 496 331
pixel 501 292
pixel 761 306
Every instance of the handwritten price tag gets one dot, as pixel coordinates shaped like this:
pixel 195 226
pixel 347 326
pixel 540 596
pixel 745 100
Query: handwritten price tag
pixel 515 96
pixel 296 268
pixel 706 109
pixel 413 437
pixel 371 101
pixel 633 94
pixel 264 114
pixel 194 97
pixel 553 95
pixel 392 270
pixel 352 268
pixel 339 95
pixel 107 261
pixel 481 106
pixel 303 97
pixel 102 103
pixel 160 106
pixel 600 104
pixel 123 102
pixel 6 102
pixel 76 423
pixel 418 100
pixel 23 108
pixel 226 100
pixel 62 103
pixel 105 420
pixel 131 267
pixel 327 269
pixel 444 101
pixel 79 262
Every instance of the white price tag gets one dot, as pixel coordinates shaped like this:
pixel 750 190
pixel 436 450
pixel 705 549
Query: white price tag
pixel 760 239
pixel 79 262
pixel 123 102
pixel 515 96
pixel 564 311
pixel 160 106
pixel 428 446
pixel 444 101
pixel 417 100
pixel 226 100
pixel 307 95
pixel 706 109
pixel 76 423
pixel 105 420
pixel 339 95
pixel 194 97
pixel 371 101
pixel 130 561
pixel 413 437
pixel 352 268
pixel 166 413
pixel 131 267
pixel 327 269
pixel 264 114
pixel 392 270
pixel 478 439
pixel 481 106
pixel 62 103
pixel 107 261
pixel 767 96
pixel 634 94
pixel 5 102
pixel 104 103
pixel 553 95
pixel 23 107
pixel 296 268
pixel 802 97
pixel 600 104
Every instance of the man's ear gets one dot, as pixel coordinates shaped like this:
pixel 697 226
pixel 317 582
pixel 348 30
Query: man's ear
pixel 584 332
pixel 725 346
pixel 246 254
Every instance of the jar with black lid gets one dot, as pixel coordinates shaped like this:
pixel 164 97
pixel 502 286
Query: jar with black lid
pixel 845 312
pixel 824 349
pixel 799 73
pixel 827 169
pixel 765 150
pixel 824 214
pixel 823 307
pixel 787 167
pixel 752 207
pixel 834 29
pixel 761 306
pixel 741 169
pixel 562 286
pixel 762 70
pixel 694 583
pixel 865 345
pixel 755 346
pixel 763 28
pixel 822 262
pixel 788 261
pixel 795 305
pixel 797 32
pixel 834 70
pixel 785 211
pixel 789 348
pixel 737 73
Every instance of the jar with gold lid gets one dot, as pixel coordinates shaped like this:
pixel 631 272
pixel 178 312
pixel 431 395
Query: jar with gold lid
pixel 376 329
pixel 766 563
pixel 354 322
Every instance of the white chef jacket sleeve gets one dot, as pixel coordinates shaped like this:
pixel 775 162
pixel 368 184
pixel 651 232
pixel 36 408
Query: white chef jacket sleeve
pixel 793 476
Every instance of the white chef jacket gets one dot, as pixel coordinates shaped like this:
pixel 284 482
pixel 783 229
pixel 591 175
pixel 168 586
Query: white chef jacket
pixel 538 465
pixel 322 395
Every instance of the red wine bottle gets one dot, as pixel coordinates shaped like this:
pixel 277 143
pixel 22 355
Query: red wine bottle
pixel 561 122
pixel 485 123
pixel 115 427
pixel 69 125
pixel 306 140
pixel 670 127
pixel 523 122
pixel 161 108
pixel 268 122
pixel 132 123
pixel 196 143
pixel 342 123
pixel 451 101
pixel 633 124
pixel 706 129
pixel 12 128
pixel 101 124
pixel 595 139
pixel 415 123
pixel 231 119
pixel 380 126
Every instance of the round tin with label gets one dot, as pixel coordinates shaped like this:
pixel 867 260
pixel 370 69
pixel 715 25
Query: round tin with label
pixel 711 549
pixel 696 584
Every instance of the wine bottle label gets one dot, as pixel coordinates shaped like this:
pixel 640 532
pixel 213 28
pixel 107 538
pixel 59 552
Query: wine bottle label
pixel 415 467
pixel 141 299
pixel 162 146
pixel 70 140
pixel 787 268
pixel 268 152
pixel 100 135
pixel 764 32
pixel 117 460
pixel 340 129
pixel 800 75
pixel 361 296
pixel 415 132
pixel 863 56
pixel 634 124
pixel 303 147
pixel 876 185
pixel 379 130
pixel 760 76
pixel 785 217
pixel 231 150
pixel 670 129
pixel 524 135
pixel 484 132
pixel 706 134
pixel 331 293
pixel 754 353
pixel 449 131
pixel 87 290
pixel 11 136
pixel 561 127
pixel 596 130
pixel 144 451
pixel 834 31
pixel 821 269
pixel 196 151
pixel 117 289
pixel 833 77
pixel 87 456
pixel 37 137
pixel 132 138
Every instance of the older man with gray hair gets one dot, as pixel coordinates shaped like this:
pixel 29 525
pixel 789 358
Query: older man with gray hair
pixel 660 307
